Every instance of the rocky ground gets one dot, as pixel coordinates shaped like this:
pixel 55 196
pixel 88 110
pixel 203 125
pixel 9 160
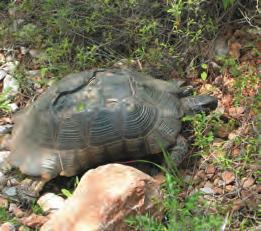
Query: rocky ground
pixel 223 159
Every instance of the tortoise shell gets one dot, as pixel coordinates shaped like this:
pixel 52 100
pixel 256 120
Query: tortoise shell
pixel 96 116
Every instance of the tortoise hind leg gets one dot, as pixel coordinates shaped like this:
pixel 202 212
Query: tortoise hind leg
pixel 180 89
pixel 171 86
pixel 180 150
pixel 29 190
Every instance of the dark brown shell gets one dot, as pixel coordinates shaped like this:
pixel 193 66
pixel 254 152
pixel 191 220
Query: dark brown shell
pixel 96 116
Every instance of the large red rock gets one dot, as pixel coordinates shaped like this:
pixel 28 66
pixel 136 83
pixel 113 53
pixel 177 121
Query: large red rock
pixel 104 197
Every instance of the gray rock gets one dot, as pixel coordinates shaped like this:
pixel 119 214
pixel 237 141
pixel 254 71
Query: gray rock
pixel 2 74
pixel 221 47
pixel 6 128
pixel 9 67
pixel 10 85
pixel 188 179
pixel 33 73
pixel 10 191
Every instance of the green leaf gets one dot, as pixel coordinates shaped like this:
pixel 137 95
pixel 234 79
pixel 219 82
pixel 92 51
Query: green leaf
pixel 80 107
pixel 66 192
pixel 204 75
pixel 204 66
pixel 227 3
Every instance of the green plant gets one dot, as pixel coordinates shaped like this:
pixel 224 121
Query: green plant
pixel 246 81
pixel 78 35
pixel 68 192
pixel 187 215
pixel 201 124
pixel 27 33
pixel 25 83
pixel 178 214
pixel 36 209
pixel 204 74
pixel 222 160
pixel 5 101
pixel 227 3
pixel 6 217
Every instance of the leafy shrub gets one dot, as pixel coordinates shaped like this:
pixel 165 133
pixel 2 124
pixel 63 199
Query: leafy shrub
pixel 79 35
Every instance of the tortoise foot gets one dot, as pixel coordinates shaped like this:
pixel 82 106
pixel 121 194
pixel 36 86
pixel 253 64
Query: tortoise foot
pixel 29 190
pixel 5 167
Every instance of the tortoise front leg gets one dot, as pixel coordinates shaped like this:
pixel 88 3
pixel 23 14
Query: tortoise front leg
pixel 180 150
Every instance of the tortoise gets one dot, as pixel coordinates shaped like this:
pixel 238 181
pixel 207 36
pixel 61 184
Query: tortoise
pixel 99 116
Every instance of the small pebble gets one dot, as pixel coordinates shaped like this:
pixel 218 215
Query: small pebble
pixel 188 179
pixel 23 50
pixel 50 202
pixel 13 208
pixel 2 58
pixel 3 203
pixel 13 107
pixel 210 169
pixel 230 188
pixel 247 182
pixel 221 183
pixel 3 179
pixel 228 177
pixel 12 182
pixel 207 190
pixel 9 58
pixel 5 142
pixel 3 156
pixel 218 191
pixel 34 221
pixel 35 53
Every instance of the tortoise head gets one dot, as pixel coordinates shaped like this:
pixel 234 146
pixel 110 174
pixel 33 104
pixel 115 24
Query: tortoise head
pixel 200 103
